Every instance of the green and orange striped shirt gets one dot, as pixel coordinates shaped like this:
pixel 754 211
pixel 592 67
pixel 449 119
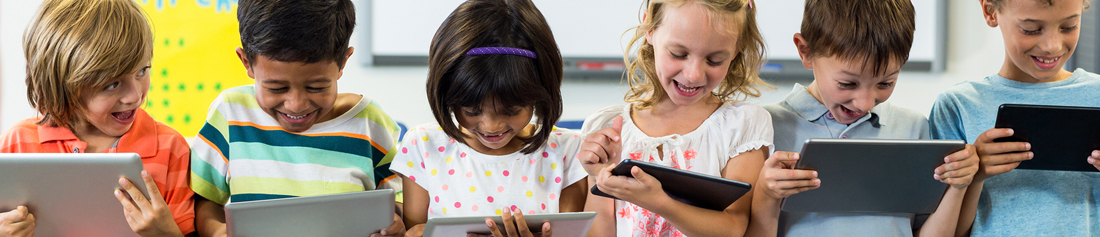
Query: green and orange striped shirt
pixel 164 154
pixel 242 154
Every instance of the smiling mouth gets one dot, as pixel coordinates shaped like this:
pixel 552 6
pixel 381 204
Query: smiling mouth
pixel 296 118
pixel 851 113
pixel 492 138
pixel 124 115
pixel 1046 62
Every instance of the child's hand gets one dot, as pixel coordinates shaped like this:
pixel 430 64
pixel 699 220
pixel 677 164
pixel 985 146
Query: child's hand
pixel 779 178
pixel 415 231
pixel 602 147
pixel 642 190
pixel 959 169
pixel 999 157
pixel 514 227
pixel 17 223
pixel 146 216
pixel 1094 159
pixel 396 229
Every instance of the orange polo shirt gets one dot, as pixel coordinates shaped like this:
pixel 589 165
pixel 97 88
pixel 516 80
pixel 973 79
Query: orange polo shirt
pixel 164 153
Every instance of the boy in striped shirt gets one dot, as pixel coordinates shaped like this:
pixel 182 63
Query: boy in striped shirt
pixel 290 134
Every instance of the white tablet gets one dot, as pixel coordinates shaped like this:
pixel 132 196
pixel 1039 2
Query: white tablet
pixel 70 194
pixel 345 214
pixel 872 175
pixel 570 224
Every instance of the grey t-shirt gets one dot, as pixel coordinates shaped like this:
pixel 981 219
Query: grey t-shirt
pixel 799 117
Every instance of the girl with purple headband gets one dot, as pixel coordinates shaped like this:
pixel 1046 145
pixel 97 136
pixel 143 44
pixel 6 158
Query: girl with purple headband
pixel 493 66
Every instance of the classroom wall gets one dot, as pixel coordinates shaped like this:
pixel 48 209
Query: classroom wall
pixel 974 51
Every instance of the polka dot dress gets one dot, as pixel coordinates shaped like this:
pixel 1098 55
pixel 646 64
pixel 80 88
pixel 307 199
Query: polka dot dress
pixel 462 182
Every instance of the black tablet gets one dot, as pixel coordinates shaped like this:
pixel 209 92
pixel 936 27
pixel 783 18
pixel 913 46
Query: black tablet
pixel 686 186
pixel 872 175
pixel 1061 137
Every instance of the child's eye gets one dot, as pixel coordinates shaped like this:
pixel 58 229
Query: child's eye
pixel 278 90
pixel 315 89
pixel 470 112
pixel 677 56
pixel 144 71
pixel 112 86
pixel 1071 28
pixel 885 85
pixel 714 63
pixel 1031 32
pixel 846 85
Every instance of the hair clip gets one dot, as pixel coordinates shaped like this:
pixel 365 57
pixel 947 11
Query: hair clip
pixel 750 4
pixel 501 50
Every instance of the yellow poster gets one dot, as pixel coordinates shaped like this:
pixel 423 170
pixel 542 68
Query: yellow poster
pixel 193 59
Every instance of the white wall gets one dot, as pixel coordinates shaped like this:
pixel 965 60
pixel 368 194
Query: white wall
pixel 974 51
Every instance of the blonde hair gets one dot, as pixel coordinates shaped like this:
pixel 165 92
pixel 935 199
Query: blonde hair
pixel 74 47
pixel 742 78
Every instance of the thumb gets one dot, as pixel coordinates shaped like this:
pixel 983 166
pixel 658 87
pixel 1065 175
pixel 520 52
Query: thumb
pixel 617 124
pixel 782 160
pixel 641 176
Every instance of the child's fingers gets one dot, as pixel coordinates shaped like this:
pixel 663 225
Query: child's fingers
pixel 1001 168
pixel 782 159
pixel 644 178
pixel 521 224
pixel 132 213
pixel 988 149
pixel 1007 158
pixel 139 198
pixel 960 155
pixel 546 231
pixel 797 185
pixel 509 223
pixel 789 174
pixel 154 192
pixel 493 227
pixel 617 126
pixel 989 135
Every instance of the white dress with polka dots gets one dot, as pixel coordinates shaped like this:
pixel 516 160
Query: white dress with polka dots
pixel 734 128
pixel 462 182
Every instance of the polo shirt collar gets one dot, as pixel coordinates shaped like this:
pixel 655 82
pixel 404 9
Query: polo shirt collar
pixel 809 108
pixel 141 139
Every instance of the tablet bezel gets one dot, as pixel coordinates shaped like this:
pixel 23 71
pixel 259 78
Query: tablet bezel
pixel 1061 137
pixel 878 180
pixel 684 186
pixel 70 192
pixel 562 224
pixel 324 215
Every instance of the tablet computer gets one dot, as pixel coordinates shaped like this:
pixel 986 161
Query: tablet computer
pixel 1061 137
pixel 345 214
pixel 872 175
pixel 70 194
pixel 684 186
pixel 570 224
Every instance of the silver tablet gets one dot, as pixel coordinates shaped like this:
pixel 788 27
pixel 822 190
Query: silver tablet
pixel 570 224
pixel 345 214
pixel 70 194
pixel 880 176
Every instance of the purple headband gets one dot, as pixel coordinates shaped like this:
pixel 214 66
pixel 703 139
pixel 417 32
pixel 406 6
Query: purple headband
pixel 501 50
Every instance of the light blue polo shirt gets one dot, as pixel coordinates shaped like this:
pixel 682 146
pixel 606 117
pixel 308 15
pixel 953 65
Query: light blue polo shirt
pixel 1023 202
pixel 799 117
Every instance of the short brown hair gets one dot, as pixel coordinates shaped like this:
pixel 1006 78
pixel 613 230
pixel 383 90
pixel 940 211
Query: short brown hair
pixel 997 4
pixel 742 78
pixel 307 31
pixel 74 47
pixel 458 80
pixel 876 31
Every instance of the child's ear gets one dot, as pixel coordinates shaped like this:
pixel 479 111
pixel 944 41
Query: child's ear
pixel 244 60
pixel 346 58
pixel 990 13
pixel 803 51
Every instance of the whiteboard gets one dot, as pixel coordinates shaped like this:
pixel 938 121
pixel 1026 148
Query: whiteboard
pixel 595 28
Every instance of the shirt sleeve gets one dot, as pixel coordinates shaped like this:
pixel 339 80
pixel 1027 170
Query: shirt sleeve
pixel 944 121
pixel 572 171
pixel 179 197
pixel 385 137
pixel 210 157
pixel 408 160
pixel 757 132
